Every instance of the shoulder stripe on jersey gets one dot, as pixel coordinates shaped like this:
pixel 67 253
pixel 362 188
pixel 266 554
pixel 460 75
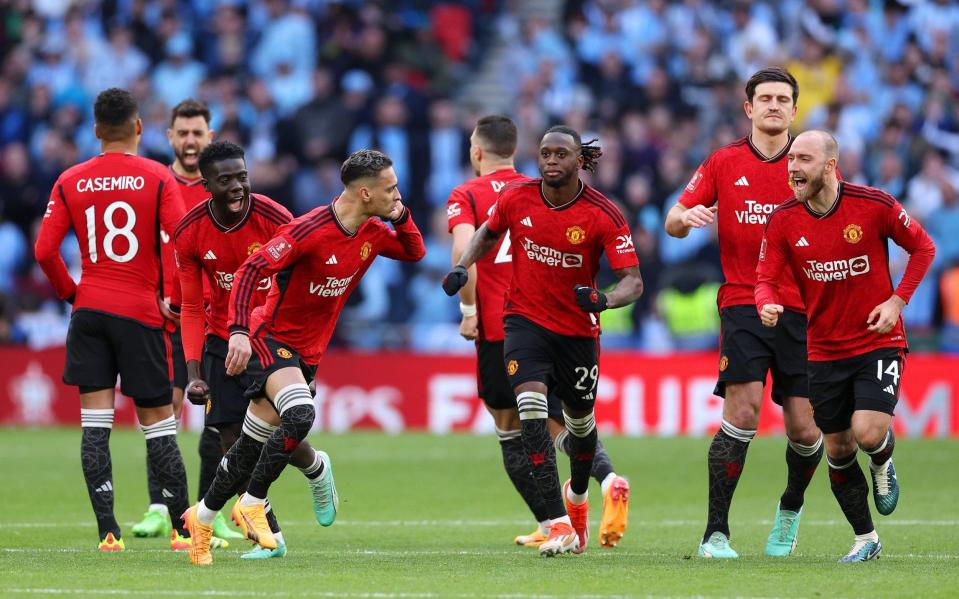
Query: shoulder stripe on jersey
pixel 63 196
pixel 605 205
pixel 195 214
pixel 270 212
pixel 268 204
pixel 867 193
pixel 242 294
pixel 518 184
pixel 469 196
pixel 787 205
pixel 307 227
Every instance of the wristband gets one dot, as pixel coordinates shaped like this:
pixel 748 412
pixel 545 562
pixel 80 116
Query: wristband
pixel 467 310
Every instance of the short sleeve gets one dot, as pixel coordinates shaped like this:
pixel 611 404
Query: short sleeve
pixel 701 189
pixel 460 209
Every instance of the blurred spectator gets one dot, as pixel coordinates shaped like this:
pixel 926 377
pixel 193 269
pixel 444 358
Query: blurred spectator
pixel 178 76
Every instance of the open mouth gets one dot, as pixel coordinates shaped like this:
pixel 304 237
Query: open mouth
pixel 799 183
pixel 235 203
pixel 191 154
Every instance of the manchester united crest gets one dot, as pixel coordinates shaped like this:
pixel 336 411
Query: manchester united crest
pixel 852 233
pixel 723 363
pixel 253 247
pixel 512 367
pixel 365 250
pixel 284 353
pixel 576 235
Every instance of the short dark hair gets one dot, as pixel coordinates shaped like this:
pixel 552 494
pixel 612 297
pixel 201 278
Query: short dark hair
pixel 188 109
pixel 498 132
pixel 590 151
pixel 363 163
pixel 217 151
pixel 771 75
pixel 114 111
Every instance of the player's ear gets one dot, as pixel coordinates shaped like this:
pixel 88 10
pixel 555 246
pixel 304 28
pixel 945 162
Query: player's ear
pixel 210 134
pixel 748 108
pixel 169 135
pixel 206 184
pixel 139 127
pixel 96 131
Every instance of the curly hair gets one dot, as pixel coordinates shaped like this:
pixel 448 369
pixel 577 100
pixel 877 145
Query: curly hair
pixel 589 150
pixel 217 151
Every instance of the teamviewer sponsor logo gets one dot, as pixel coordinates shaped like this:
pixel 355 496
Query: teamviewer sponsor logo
pixel 550 256
pixel 755 213
pixel 225 281
pixel 836 270
pixel 331 286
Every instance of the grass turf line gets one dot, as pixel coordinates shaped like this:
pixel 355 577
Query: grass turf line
pixel 426 516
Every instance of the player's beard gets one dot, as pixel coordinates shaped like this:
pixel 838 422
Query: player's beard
pixel 181 157
pixel 812 188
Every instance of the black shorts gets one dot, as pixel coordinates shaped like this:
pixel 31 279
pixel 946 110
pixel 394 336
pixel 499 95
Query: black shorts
pixel 568 366
pixel 227 403
pixel 179 361
pixel 866 382
pixel 270 355
pixel 748 350
pixel 101 346
pixel 493 384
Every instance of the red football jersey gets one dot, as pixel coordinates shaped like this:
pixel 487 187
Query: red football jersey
pixel 115 203
pixel 472 203
pixel 319 264
pixel 193 193
pixel 208 251
pixel 748 187
pixel 556 249
pixel 840 260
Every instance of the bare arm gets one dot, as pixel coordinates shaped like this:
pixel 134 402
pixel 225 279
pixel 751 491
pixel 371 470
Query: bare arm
pixel 627 290
pixel 680 219
pixel 469 324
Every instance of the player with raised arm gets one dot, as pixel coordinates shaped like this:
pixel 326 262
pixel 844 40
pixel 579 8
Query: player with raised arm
pixel 318 260
pixel 740 185
pixel 559 227
pixel 116 202
pixel 212 241
pixel 188 134
pixel 833 237
pixel 492 146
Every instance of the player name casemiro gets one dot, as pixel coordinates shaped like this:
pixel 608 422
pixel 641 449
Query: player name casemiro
pixel 125 182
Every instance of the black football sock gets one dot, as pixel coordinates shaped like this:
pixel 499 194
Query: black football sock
pixel 271 518
pixel 852 492
pixel 516 463
pixel 602 465
pixel 167 465
pixel 98 467
pixel 882 453
pixel 154 488
pixel 540 452
pixel 295 405
pixel 727 457
pixel 582 442
pixel 211 453
pixel 233 473
pixel 801 463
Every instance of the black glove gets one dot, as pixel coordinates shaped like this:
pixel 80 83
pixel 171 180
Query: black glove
pixel 455 279
pixel 589 299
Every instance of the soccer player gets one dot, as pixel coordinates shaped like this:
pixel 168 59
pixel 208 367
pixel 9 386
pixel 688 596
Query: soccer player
pixel 833 238
pixel 188 134
pixel 318 260
pixel 492 146
pixel 559 227
pixel 741 184
pixel 115 202
pixel 212 241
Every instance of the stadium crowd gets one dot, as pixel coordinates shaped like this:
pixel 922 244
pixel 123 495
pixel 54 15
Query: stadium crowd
pixel 302 83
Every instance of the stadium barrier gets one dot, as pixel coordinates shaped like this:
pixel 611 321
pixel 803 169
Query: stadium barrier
pixel 637 394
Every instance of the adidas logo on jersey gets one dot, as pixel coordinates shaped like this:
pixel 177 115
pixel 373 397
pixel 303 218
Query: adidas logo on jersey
pixel 890 390
pixel 527 221
pixel 802 243
pixel 332 259
pixel 741 182
pixel 209 255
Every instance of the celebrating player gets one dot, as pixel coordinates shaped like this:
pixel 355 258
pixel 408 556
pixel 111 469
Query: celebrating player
pixel 321 257
pixel 492 146
pixel 212 241
pixel 188 134
pixel 114 202
pixel 744 182
pixel 833 237
pixel 559 227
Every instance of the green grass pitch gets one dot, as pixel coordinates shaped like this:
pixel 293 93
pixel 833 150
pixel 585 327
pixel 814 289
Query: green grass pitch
pixel 424 516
